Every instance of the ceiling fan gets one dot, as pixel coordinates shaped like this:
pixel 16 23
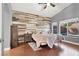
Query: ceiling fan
pixel 47 4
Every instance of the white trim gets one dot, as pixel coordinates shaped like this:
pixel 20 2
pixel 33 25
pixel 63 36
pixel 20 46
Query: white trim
pixel 5 49
pixel 70 42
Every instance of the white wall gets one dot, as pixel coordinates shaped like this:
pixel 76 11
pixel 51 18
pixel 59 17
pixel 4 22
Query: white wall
pixel 0 20
pixel 6 23
pixel 0 25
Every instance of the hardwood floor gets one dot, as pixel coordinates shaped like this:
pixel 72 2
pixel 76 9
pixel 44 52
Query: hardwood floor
pixel 65 49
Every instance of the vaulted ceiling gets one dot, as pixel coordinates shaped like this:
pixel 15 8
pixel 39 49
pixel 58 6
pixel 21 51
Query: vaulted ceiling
pixel 35 8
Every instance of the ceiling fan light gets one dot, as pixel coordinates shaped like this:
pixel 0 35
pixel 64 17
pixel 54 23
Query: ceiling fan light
pixel 48 4
pixel 52 5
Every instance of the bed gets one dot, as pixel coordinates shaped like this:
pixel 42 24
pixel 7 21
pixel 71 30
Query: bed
pixel 46 39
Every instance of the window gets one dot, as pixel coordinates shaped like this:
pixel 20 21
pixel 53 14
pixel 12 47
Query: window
pixel 69 27
pixel 54 27
pixel 73 28
pixel 63 28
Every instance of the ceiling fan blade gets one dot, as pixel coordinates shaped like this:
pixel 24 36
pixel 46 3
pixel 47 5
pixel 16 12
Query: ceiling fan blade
pixel 42 3
pixel 45 6
pixel 52 5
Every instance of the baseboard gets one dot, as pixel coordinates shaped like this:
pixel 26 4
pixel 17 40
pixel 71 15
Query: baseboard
pixel 70 42
pixel 5 49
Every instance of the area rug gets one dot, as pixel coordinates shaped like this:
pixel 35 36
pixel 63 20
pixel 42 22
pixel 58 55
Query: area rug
pixel 33 46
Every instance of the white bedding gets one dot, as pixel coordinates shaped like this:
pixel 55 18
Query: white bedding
pixel 43 39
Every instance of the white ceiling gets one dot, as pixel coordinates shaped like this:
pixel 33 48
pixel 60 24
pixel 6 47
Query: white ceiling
pixel 35 8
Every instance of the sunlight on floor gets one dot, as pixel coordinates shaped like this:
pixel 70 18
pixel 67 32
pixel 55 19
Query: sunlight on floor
pixel 69 51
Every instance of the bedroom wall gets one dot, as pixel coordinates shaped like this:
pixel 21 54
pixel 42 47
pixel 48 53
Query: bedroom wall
pixel 0 19
pixel 6 22
pixel 69 12
pixel 0 26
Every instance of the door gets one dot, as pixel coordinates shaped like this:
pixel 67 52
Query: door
pixel 14 36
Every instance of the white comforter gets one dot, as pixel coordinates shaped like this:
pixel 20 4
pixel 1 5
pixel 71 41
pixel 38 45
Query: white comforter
pixel 43 39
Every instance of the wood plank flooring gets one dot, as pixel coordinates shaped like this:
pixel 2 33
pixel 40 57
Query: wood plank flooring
pixel 65 49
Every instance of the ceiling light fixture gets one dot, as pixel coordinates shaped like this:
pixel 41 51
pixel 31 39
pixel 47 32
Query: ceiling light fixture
pixel 48 4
